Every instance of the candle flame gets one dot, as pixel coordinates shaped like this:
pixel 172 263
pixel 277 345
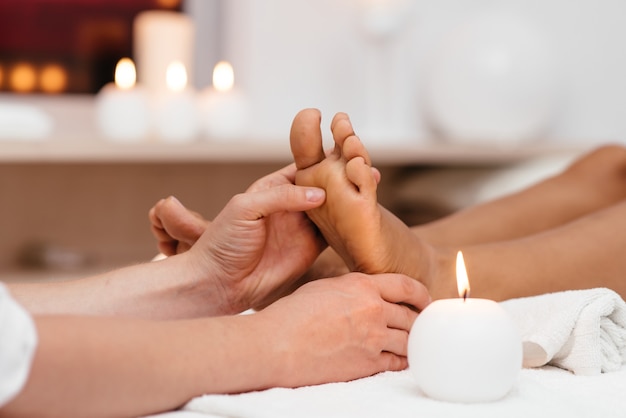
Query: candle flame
pixel 462 280
pixel 125 74
pixel 176 76
pixel 223 76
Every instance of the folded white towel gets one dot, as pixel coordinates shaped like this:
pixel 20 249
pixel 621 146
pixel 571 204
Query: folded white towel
pixel 583 331
pixel 24 122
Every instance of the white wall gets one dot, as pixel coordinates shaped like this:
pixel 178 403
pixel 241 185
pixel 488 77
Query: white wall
pixel 291 54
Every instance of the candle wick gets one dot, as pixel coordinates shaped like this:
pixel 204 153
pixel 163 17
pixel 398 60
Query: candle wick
pixel 465 294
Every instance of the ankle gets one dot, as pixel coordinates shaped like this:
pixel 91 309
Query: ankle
pixel 440 272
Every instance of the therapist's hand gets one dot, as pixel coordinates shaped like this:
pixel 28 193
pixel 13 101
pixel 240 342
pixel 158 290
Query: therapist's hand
pixel 292 241
pixel 343 328
pixel 259 244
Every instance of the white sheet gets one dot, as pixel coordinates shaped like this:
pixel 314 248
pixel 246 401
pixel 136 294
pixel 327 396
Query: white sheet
pixel 579 320
pixel 544 392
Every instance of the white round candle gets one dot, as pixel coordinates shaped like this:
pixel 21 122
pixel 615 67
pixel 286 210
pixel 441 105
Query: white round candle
pixel 465 350
pixel 176 118
pixel 122 111
pixel 223 109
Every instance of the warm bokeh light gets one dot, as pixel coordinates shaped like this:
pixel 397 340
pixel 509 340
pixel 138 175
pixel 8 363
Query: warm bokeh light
pixel 23 78
pixel 176 76
pixel 125 74
pixel 53 79
pixel 462 280
pixel 168 4
pixel 1 76
pixel 223 76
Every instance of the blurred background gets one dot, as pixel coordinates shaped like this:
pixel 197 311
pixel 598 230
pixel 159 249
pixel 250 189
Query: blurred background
pixel 458 101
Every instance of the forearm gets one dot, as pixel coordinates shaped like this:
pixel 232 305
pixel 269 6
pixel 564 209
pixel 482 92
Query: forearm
pixel 168 289
pixel 112 367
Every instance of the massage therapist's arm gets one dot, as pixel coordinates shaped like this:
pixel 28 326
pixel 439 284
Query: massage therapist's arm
pixel 329 330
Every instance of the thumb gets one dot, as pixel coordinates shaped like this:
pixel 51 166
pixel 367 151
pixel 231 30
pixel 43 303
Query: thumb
pixel 283 198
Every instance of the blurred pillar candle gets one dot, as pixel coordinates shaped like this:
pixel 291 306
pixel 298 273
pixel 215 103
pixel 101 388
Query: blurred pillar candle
pixel 175 110
pixel 160 38
pixel 223 108
pixel 122 112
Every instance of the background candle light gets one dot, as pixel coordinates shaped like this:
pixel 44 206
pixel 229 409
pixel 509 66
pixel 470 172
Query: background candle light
pixel 465 350
pixel 53 78
pixel 23 78
pixel 223 108
pixel 122 112
pixel 176 114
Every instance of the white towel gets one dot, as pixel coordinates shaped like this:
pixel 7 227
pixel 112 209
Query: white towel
pixel 583 331
pixel 545 392
pixel 24 122
pixel 580 331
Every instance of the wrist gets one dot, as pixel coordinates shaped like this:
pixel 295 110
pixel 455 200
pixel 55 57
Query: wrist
pixel 199 283
pixel 274 348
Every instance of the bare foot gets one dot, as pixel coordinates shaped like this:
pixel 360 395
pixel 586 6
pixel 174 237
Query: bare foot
pixel 369 238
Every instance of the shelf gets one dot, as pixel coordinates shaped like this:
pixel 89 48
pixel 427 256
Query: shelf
pixel 101 151
pixel 75 140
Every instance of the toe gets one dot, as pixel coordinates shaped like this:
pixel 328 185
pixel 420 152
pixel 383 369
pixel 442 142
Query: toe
pixel 306 138
pixel 342 129
pixel 360 174
pixel 353 147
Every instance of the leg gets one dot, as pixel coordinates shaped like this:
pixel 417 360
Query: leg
pixel 595 181
pixel 565 256
pixel 367 237
pixel 585 253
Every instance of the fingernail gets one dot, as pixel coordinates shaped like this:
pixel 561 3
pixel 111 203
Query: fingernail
pixel 314 194
pixel 175 200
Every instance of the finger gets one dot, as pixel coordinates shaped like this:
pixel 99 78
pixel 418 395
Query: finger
pixel 398 288
pixel 160 234
pixel 168 248
pixel 181 247
pixel 178 222
pixel 397 342
pixel 152 215
pixel 399 317
pixel 284 198
pixel 392 362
